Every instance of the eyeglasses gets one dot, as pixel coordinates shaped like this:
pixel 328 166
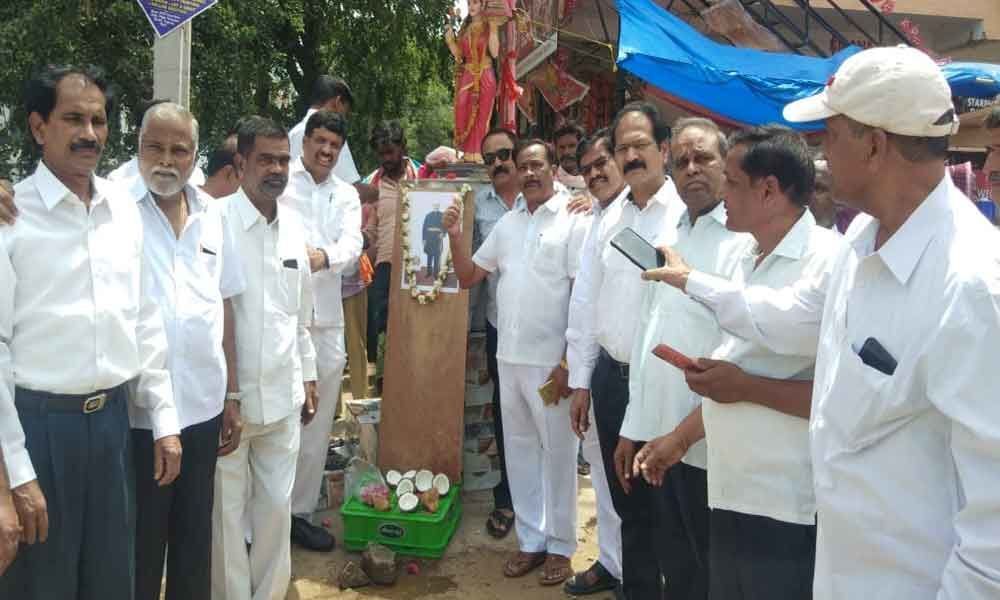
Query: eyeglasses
pixel 637 146
pixel 597 166
pixel 503 154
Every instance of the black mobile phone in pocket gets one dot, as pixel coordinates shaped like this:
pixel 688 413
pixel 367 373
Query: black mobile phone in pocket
pixel 638 250
pixel 875 356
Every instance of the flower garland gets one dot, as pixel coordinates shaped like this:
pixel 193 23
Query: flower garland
pixel 411 263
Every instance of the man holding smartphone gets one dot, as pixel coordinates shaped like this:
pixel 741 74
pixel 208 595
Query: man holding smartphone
pixel 904 459
pixel 603 312
pixel 535 249
pixel 659 398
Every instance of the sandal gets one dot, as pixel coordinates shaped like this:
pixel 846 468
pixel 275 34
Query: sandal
pixel 523 563
pixel 499 524
pixel 557 569
pixel 593 580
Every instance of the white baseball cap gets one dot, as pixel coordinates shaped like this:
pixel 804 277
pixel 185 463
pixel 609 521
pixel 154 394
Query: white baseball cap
pixel 900 90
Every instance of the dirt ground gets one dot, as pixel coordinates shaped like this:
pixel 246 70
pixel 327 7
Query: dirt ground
pixel 470 569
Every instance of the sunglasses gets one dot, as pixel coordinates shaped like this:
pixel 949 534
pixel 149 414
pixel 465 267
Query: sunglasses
pixel 503 154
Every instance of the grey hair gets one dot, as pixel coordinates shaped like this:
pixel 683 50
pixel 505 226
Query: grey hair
pixel 169 109
pixel 704 124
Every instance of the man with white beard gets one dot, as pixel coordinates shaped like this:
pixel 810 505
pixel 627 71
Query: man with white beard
pixel 194 270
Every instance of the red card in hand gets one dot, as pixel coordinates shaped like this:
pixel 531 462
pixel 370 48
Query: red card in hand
pixel 675 358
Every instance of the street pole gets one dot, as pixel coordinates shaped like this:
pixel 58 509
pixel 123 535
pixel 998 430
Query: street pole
pixel 172 66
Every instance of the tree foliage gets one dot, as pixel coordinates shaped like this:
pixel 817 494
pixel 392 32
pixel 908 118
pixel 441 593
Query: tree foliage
pixel 248 57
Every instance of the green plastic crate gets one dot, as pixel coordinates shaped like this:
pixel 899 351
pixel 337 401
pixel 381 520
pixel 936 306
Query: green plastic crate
pixel 418 533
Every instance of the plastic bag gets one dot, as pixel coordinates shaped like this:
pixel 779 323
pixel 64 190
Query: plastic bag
pixel 365 482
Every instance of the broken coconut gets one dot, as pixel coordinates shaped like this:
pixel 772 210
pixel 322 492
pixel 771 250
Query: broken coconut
pixel 405 487
pixel 379 563
pixel 408 502
pixel 430 500
pixel 392 477
pixel 424 480
pixel 409 474
pixel 441 484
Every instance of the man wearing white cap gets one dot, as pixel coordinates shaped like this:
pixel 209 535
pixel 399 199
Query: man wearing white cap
pixel 905 427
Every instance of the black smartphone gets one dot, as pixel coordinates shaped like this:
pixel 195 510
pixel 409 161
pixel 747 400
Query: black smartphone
pixel 638 250
pixel 875 356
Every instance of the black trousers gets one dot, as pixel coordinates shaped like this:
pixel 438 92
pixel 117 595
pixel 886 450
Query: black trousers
pixel 683 518
pixel 758 558
pixel 642 562
pixel 84 467
pixel 178 515
pixel 501 492
pixel 378 307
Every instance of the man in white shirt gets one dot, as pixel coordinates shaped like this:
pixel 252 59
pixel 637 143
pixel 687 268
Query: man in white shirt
pixel 189 253
pixel 221 179
pixel 536 250
pixel 904 432
pixel 331 211
pixel 276 373
pixel 659 399
pixel 603 318
pixel 565 139
pixel 333 94
pixel 605 183
pixel 763 520
pixel 81 347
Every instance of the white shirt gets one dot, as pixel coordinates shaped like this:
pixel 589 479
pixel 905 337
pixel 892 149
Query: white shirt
pixel 659 398
pixel 128 175
pixel 345 167
pixel 905 466
pixel 75 313
pixel 331 212
pixel 758 458
pixel 190 277
pixel 274 351
pixel 608 291
pixel 537 256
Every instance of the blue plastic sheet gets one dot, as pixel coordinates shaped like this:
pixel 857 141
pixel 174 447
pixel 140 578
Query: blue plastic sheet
pixel 743 85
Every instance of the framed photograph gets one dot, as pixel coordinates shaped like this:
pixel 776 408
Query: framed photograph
pixel 425 242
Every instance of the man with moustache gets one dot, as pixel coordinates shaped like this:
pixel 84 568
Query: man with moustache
pixel 331 211
pixel 189 252
pixel 566 139
pixel 535 248
pixel 660 400
pixel 76 292
pixel 276 373
pixel 127 173
pixel 605 183
pixel 604 315
pixel 755 412
pixel 904 431
pixel 492 203
pixel 992 166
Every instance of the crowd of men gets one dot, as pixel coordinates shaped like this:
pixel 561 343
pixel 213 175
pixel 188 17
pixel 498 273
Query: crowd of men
pixel 172 347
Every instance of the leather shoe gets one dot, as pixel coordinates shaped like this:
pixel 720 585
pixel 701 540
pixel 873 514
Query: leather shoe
pixel 309 536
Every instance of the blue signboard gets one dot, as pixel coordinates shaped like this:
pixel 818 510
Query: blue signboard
pixel 167 15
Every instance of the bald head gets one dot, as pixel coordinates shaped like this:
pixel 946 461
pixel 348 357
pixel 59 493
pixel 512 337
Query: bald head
pixel 168 147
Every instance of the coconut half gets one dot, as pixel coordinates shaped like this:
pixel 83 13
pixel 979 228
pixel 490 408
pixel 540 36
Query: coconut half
pixel 405 486
pixel 408 502
pixel 441 484
pixel 392 477
pixel 409 475
pixel 424 480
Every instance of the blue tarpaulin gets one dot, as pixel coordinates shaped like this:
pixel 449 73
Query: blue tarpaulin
pixel 742 85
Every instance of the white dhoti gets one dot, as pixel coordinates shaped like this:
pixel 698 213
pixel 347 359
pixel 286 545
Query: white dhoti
pixel 331 357
pixel 541 451
pixel 266 457
pixel 609 524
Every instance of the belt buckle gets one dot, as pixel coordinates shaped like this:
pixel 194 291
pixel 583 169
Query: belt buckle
pixel 94 403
